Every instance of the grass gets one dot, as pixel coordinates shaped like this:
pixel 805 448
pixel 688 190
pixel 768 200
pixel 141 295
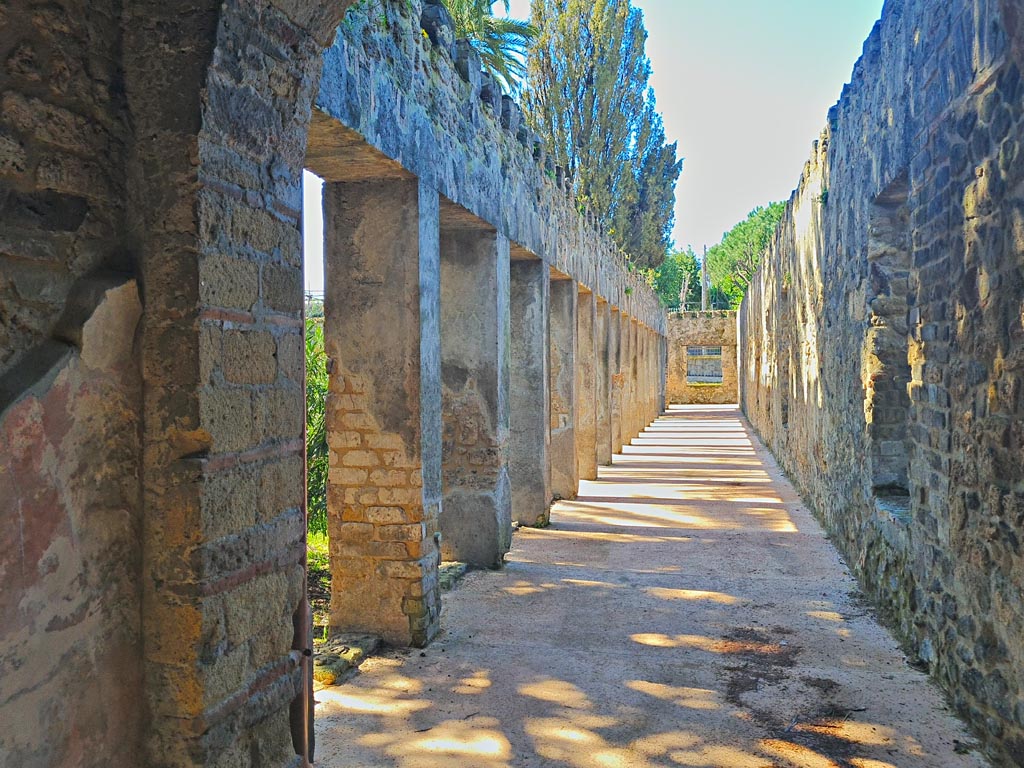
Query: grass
pixel 319 565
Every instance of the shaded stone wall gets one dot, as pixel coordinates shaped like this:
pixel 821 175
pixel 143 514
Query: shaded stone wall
pixel 882 344
pixel 63 144
pixel 708 329
pixel 70 635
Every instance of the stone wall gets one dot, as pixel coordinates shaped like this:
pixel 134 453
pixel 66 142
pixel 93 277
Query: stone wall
pixel 708 329
pixel 63 137
pixel 159 474
pixel 882 344
pixel 70 634
pixel 390 91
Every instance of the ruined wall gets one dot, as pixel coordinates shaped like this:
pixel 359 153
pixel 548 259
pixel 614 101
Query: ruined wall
pixel 709 329
pixel 882 344
pixel 426 105
pixel 69 394
pixel 165 143
pixel 70 635
pixel 63 137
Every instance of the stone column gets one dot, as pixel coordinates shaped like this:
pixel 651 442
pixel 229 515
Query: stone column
pixel 603 387
pixel 384 407
pixel 635 412
pixel 476 513
pixel 530 418
pixel 615 379
pixel 663 345
pixel 562 351
pixel 586 385
pixel 622 384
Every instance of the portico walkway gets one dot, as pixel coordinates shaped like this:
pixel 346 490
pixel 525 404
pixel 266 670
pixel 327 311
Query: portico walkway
pixel 685 610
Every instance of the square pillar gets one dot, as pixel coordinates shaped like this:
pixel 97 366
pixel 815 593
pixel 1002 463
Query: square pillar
pixel 529 394
pixel 562 361
pixel 663 373
pixel 635 410
pixel 621 413
pixel 586 385
pixel 603 427
pixel 649 379
pixel 384 407
pixel 615 380
pixel 476 511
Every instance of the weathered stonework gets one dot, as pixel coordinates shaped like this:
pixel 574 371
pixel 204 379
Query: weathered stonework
pixel 882 344
pixel 709 329
pixel 69 548
pixel 166 144
pixel 410 101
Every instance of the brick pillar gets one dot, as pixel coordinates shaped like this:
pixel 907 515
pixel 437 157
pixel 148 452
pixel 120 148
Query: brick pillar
pixel 383 408
pixel 529 393
pixel 562 351
pixel 476 514
pixel 603 387
pixel 586 386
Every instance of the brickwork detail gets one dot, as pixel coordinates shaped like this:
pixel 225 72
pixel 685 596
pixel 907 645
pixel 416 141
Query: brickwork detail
pixel 381 535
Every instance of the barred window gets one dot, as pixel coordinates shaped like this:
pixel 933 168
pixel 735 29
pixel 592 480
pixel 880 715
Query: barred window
pixel 703 365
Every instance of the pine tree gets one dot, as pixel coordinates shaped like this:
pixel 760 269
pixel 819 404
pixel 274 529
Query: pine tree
pixel 733 262
pixel 587 95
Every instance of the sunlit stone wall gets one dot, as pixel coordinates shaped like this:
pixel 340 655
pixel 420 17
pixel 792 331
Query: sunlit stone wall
pixel 882 344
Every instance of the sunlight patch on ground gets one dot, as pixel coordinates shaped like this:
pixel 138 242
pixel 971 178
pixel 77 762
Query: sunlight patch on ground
pixel 692 594
pixel 849 730
pixel 659 640
pixel 691 698
pixel 557 692
pixel 797 755
pixel 379 702
pixel 475 684
pixel 479 743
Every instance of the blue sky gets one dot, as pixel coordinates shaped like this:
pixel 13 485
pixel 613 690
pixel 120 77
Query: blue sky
pixel 744 87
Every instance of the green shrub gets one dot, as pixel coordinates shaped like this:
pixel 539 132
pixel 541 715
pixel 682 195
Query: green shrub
pixel 316 433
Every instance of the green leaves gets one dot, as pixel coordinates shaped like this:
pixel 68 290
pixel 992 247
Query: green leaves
pixel 733 262
pixel 677 280
pixel 502 43
pixel 587 95
pixel 316 431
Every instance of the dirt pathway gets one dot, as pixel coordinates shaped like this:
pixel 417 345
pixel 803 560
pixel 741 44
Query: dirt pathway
pixel 685 610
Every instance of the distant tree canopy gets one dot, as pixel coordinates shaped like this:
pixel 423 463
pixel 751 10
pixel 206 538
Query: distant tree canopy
pixel 587 95
pixel 733 262
pixel 501 42
pixel 677 280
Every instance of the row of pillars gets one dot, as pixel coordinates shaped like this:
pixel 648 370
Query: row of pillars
pixel 470 385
